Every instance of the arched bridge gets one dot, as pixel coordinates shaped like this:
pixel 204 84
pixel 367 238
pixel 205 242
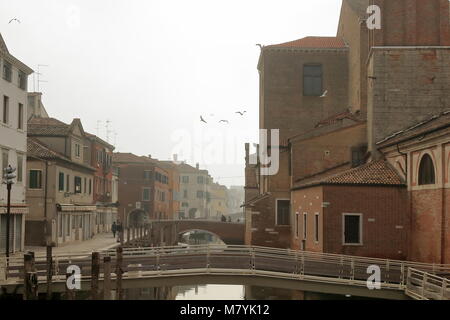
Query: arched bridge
pixel 229 233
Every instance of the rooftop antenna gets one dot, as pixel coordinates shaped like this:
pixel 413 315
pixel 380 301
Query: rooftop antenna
pixel 98 127
pixel 108 122
pixel 39 75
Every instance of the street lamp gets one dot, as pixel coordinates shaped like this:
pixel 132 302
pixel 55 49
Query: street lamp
pixel 9 177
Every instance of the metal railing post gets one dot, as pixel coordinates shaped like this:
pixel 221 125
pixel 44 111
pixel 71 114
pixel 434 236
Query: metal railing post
pixel 402 275
pixel 444 289
pixel 207 257
pixel 424 282
pixel 352 266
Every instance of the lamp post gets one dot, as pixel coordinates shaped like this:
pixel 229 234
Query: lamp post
pixel 8 180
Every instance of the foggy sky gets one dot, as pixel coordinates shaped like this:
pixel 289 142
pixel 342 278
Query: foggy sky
pixel 153 67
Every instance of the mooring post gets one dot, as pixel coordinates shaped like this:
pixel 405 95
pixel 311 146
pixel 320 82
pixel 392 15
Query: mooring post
pixel 95 273
pixel 30 277
pixel 49 272
pixel 107 278
pixel 119 272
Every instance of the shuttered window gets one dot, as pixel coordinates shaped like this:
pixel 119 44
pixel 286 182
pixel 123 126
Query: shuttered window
pixel 352 229
pixel 312 80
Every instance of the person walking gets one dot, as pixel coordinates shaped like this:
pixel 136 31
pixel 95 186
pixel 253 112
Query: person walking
pixel 114 229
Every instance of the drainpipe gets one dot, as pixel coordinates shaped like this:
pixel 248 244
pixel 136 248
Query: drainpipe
pixel 443 211
pixel 411 222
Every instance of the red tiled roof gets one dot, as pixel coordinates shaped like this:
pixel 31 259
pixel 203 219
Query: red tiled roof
pixel 131 158
pixel 47 126
pixel 313 42
pixel 374 173
pixel 338 117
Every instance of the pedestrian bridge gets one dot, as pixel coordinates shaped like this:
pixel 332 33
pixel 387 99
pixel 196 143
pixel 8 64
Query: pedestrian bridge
pixel 229 233
pixel 244 265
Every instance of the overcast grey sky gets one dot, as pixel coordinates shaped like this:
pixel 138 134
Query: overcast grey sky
pixel 152 67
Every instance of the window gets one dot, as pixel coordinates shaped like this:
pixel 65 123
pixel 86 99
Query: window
pixel 7 71
pixel 20 117
pixel 146 194
pixel 163 196
pixel 296 225
pixel 19 168
pixel 90 186
pixel 200 180
pixel 35 179
pixel 77 150
pixel 305 225
pixel 185 179
pixel 147 175
pixel 283 209
pixel 316 227
pixel 77 181
pixel 185 205
pixel 426 171
pixel 85 185
pixel 5 110
pixel 22 80
pixel 67 183
pixel 199 194
pixel 352 229
pixel 185 194
pixel 61 182
pixel 312 80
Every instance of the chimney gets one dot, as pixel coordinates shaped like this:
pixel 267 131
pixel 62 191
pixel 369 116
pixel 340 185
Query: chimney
pixel 175 157
pixel 197 166
pixel 150 156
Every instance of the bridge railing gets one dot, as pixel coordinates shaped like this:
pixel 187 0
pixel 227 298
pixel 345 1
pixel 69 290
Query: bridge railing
pixel 291 263
pixel 425 286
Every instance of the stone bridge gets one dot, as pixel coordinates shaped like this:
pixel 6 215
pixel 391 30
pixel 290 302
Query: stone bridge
pixel 169 232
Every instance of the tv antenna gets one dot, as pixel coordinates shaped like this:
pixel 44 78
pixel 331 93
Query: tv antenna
pixel 39 74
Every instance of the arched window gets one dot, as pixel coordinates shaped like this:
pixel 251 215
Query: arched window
pixel 426 171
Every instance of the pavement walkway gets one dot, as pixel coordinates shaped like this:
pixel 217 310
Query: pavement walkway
pixel 100 242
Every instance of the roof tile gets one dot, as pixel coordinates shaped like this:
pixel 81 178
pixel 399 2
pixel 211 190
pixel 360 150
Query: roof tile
pixel 313 42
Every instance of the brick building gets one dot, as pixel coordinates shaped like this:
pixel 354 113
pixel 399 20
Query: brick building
pixel 345 213
pixel 421 155
pixel 334 98
pixel 99 155
pixel 144 189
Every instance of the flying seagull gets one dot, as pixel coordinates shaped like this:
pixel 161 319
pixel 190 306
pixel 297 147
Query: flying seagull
pixel 324 94
pixel 241 112
pixel 260 45
pixel 224 121
pixel 202 120
pixel 14 19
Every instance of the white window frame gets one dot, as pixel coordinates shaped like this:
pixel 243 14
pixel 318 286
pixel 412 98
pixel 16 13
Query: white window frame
pixel 361 242
pixel 149 194
pixel 276 211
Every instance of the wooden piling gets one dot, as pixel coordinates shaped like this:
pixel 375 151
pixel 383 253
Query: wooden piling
pixel 119 272
pixel 49 272
pixel 95 273
pixel 107 278
pixel 30 277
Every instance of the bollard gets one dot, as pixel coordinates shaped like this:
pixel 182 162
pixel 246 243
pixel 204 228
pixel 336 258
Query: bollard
pixel 95 273
pixel 49 272
pixel 119 272
pixel 107 278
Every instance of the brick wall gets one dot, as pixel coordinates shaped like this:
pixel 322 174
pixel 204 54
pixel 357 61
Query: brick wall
pixel 386 236
pixel 413 23
pixel 411 84
pixel 283 105
pixel 426 227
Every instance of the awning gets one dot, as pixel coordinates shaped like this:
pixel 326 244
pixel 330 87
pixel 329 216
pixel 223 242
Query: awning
pixel 75 208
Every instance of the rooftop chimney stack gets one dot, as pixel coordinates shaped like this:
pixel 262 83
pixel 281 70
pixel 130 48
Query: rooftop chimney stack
pixel 197 166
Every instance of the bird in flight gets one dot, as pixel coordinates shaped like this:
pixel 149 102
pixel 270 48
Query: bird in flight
pixel 14 19
pixel 202 120
pixel 324 94
pixel 224 121
pixel 241 112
